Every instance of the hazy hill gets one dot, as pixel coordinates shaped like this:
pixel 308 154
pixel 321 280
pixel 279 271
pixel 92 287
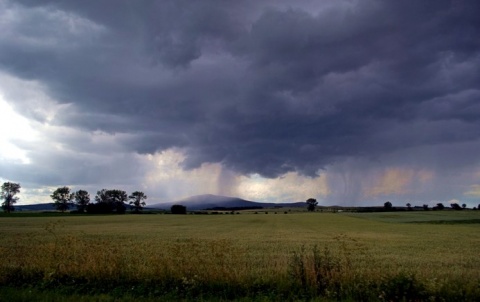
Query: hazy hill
pixel 209 201
pixel 197 202
pixel 37 207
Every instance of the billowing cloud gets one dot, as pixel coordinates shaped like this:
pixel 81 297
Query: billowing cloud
pixel 355 100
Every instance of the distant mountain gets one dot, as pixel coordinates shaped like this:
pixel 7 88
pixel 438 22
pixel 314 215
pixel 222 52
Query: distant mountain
pixel 209 201
pixel 36 207
pixel 193 203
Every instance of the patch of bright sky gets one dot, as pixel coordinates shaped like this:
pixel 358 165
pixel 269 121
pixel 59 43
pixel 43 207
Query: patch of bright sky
pixel 452 201
pixel 291 187
pixel 13 127
pixel 165 179
pixel 398 181
pixel 474 191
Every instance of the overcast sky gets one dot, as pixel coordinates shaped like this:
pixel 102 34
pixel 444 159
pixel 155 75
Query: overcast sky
pixel 350 102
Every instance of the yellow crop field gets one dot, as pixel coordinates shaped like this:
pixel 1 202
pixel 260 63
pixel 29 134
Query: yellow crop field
pixel 294 256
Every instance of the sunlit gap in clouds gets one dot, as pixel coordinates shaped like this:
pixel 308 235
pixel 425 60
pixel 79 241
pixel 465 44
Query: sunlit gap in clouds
pixel 166 180
pixel 290 187
pixel 14 128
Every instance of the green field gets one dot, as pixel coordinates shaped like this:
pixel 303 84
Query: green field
pixel 431 256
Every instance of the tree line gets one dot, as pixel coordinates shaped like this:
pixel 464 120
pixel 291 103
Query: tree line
pixel 116 201
pixel 106 201
pixel 439 206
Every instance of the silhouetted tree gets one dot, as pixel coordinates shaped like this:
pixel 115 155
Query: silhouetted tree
pixel 102 196
pixel 99 208
pixel 388 205
pixel 439 206
pixel 456 206
pixel 464 206
pixel 8 192
pixel 178 209
pixel 137 201
pixel 311 204
pixel 110 201
pixel 62 198
pixel 82 199
pixel 118 199
pixel 409 206
pixel 425 207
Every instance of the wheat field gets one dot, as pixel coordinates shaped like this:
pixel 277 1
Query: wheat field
pixel 330 256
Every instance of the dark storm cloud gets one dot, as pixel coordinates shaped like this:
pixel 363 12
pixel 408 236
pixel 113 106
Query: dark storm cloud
pixel 257 86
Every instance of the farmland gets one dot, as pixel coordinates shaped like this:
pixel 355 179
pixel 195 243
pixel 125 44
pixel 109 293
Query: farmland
pixel 331 256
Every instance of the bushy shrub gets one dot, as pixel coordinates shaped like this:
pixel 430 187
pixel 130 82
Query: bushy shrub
pixel 179 209
pixel 402 287
pixel 456 206
pixel 317 273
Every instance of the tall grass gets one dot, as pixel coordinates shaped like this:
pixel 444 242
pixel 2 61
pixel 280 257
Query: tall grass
pixel 340 268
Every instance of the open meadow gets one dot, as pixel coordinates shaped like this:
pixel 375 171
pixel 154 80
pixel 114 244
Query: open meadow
pixel 431 256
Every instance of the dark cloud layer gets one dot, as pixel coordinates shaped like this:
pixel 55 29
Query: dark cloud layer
pixel 259 87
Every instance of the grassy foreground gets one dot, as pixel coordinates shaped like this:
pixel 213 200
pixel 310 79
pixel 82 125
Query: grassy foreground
pixel 296 256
